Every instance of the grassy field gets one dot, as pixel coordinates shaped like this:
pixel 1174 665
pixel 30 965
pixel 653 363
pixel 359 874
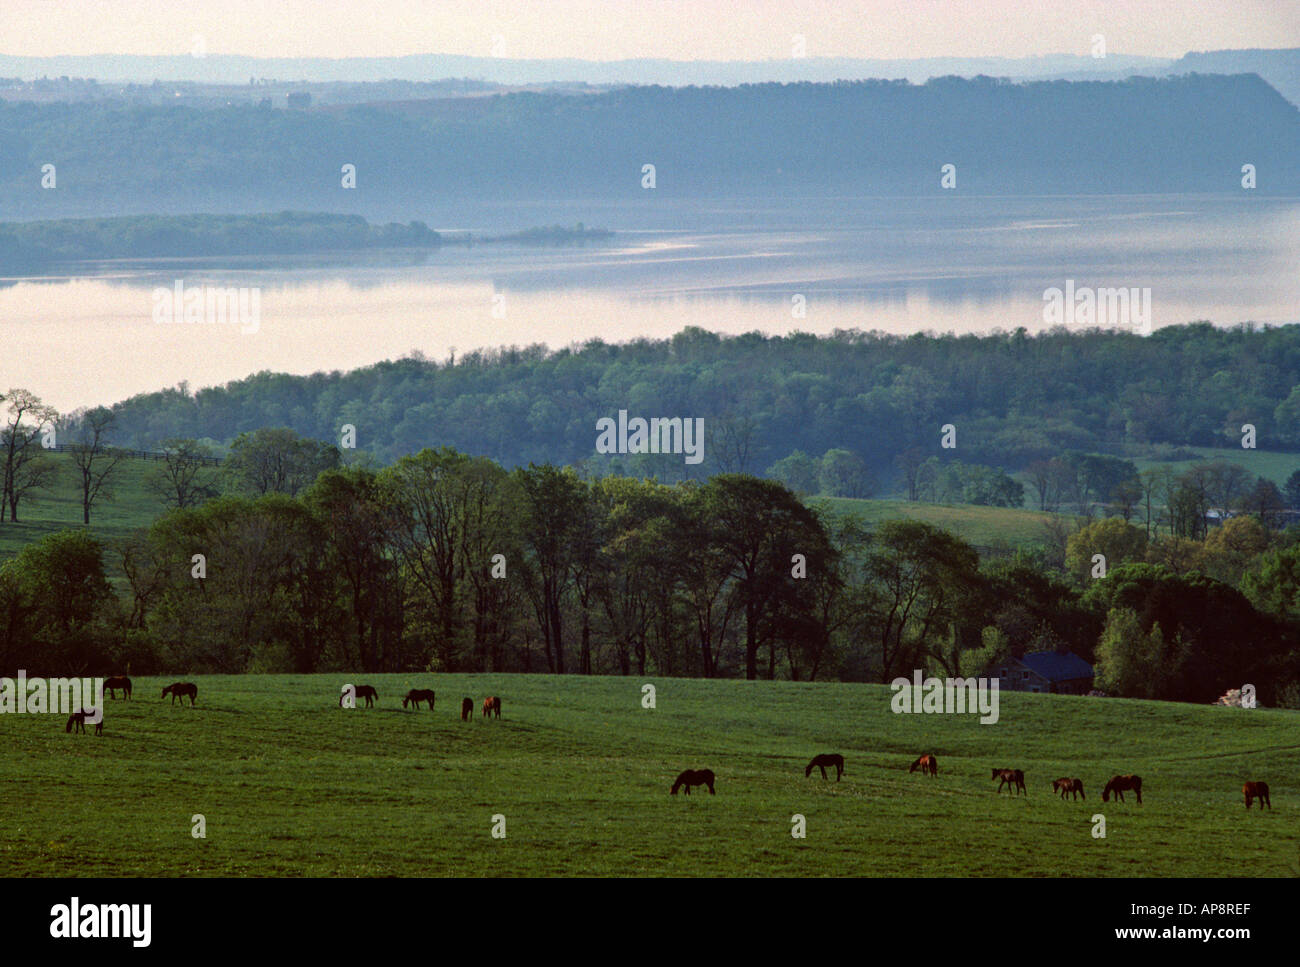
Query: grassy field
pixel 290 784
pixel 980 526
pixel 1270 465
pixel 133 506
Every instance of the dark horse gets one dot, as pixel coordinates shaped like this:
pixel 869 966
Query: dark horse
pixel 694 777
pixel 1119 784
pixel 491 704
pixel 822 761
pixel 1252 790
pixel 466 709
pixel 1015 778
pixel 926 763
pixel 1066 786
pixel 369 694
pixel 117 681
pixel 418 695
pixel 180 690
pixel 78 718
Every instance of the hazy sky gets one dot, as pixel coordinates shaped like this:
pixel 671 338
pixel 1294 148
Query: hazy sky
pixel 618 29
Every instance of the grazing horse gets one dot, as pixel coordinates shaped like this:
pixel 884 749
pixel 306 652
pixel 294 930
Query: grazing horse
pixel 491 704
pixel 418 695
pixel 822 761
pixel 369 694
pixel 1065 786
pixel 1253 790
pixel 78 718
pixel 180 690
pixel 1015 778
pixel 1119 784
pixel 117 681
pixel 466 709
pixel 927 763
pixel 694 777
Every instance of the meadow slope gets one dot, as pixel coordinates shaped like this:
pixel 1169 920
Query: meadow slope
pixel 290 784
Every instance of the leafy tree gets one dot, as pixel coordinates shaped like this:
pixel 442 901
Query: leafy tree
pixel 277 461
pixel 1116 540
pixel 844 474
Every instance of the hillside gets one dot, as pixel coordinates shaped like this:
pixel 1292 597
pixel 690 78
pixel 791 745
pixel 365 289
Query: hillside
pixel 291 785
pixel 1280 67
pixel 890 138
pixel 1015 398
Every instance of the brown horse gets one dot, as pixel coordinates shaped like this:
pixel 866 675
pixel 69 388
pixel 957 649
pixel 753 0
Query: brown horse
pixel 1119 784
pixel 491 704
pixel 1014 778
pixel 111 685
pixel 822 761
pixel 466 709
pixel 927 763
pixel 180 690
pixel 1066 786
pixel 78 718
pixel 418 695
pixel 694 777
pixel 364 691
pixel 1256 790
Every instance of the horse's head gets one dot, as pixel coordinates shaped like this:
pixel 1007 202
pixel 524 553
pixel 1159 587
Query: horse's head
pixel 166 689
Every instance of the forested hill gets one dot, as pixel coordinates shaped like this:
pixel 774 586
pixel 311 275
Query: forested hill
pixel 1014 398
pixel 1181 134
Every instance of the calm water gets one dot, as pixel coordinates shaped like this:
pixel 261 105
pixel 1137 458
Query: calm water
pixel 963 265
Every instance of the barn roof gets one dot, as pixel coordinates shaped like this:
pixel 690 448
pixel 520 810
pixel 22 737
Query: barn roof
pixel 1057 666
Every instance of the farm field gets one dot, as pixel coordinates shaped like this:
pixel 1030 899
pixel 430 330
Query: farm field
pixel 292 785
pixel 1274 465
pixel 111 521
pixel 975 524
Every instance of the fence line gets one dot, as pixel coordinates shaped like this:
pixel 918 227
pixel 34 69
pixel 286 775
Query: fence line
pixel 136 454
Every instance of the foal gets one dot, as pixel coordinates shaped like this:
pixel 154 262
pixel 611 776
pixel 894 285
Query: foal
pixel 78 719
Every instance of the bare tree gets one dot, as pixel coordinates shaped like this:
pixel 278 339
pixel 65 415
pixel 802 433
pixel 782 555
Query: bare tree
pixel 26 466
pixel 94 459
pixel 729 439
pixel 182 482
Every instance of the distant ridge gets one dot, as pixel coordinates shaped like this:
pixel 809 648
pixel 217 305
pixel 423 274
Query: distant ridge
pixel 237 69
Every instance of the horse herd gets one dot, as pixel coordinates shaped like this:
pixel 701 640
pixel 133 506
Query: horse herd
pixel 77 720
pixel 491 704
pixel 184 690
pixel 1013 779
pixel 928 764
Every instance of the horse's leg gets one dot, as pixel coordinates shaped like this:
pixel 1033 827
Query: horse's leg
pixel 823 769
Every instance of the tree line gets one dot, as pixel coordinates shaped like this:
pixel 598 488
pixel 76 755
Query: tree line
pixel 849 414
pixel 284 559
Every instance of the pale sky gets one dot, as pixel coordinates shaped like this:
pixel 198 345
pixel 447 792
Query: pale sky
pixel 620 29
